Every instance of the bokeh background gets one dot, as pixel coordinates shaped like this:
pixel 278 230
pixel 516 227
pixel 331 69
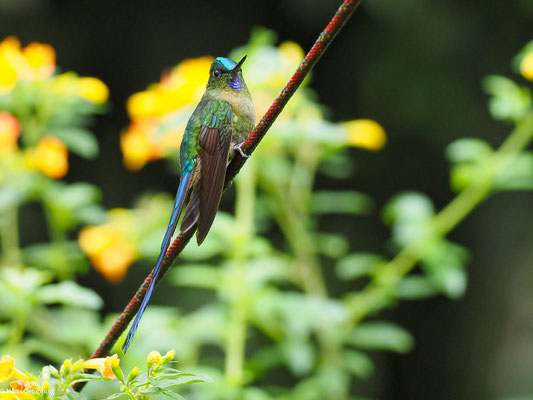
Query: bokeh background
pixel 415 66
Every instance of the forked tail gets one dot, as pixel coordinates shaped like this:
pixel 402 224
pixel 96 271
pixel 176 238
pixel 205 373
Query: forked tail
pixel 179 202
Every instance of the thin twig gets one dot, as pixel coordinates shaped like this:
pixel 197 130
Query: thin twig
pixel 324 40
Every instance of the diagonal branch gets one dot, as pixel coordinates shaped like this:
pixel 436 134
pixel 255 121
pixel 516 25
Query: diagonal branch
pixel 324 40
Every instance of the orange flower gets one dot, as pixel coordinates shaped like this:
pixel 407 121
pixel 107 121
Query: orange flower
pixel 149 139
pixel 111 253
pixel 23 389
pixel 103 365
pixel 50 157
pixel 9 132
pixel 41 60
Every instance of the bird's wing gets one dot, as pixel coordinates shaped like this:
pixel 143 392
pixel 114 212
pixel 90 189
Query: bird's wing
pixel 215 141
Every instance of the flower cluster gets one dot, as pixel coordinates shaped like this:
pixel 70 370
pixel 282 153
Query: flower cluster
pixel 111 246
pixel 57 384
pixel 156 128
pixel 125 236
pixel 33 99
pixel 159 114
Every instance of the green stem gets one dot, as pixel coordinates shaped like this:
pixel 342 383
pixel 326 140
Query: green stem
pixel 290 208
pixel 244 230
pixel 9 237
pixel 58 239
pixel 384 282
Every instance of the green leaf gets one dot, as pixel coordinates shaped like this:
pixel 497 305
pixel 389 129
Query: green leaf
pixel 299 354
pixel 411 215
pixel 357 265
pixel 509 101
pixel 357 363
pixel 71 394
pixel 337 166
pixel 69 293
pixel 517 174
pixel 380 335
pixel 408 206
pixel 338 202
pixel 468 149
pixel 115 396
pixel 196 275
pixel 332 245
pixel 415 287
pixel 444 263
pixel 79 141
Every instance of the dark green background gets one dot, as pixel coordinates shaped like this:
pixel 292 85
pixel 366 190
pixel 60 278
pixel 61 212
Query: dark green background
pixel 413 65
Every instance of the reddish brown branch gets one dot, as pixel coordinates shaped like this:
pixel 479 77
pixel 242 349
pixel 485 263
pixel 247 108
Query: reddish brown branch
pixel 324 40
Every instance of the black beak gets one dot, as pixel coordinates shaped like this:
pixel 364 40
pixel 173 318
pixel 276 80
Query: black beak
pixel 239 64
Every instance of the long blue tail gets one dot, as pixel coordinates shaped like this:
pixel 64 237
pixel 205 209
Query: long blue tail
pixel 179 202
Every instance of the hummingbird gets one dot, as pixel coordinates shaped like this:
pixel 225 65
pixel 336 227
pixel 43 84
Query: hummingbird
pixel 217 128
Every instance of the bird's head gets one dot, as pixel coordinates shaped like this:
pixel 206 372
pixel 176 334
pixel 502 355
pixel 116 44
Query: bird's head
pixel 226 74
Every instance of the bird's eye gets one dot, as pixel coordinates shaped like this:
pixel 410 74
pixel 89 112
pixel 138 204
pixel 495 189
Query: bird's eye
pixel 217 73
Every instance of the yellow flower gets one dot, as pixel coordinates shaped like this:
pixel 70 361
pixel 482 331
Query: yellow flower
pixel 35 61
pixel 142 104
pixel 111 253
pixel 11 59
pixel 526 67
pixel 365 133
pixel 8 370
pixel 183 85
pixel 135 146
pixel 9 132
pixel 41 60
pixel 154 357
pixel 93 89
pixel 50 157
pixel 103 365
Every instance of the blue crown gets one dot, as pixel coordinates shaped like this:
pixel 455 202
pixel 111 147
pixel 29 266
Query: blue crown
pixel 226 63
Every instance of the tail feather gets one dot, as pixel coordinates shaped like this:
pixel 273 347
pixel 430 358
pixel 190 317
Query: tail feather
pixel 179 203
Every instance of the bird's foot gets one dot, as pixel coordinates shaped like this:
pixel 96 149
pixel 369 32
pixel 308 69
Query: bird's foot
pixel 239 149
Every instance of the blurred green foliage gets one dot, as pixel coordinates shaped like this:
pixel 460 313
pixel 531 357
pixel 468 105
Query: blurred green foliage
pixel 267 312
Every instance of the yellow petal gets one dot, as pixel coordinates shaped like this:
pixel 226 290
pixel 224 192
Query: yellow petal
pixel 154 357
pixel 41 59
pixel 94 239
pixel 102 365
pixel 8 370
pixel 7 366
pixel 8 76
pixel 142 104
pixel 114 261
pixel 365 133
pixel 93 89
pixel 526 67
pixel 51 157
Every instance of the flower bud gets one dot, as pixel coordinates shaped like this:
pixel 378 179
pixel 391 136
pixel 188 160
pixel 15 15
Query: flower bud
pixel 133 374
pixel 153 358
